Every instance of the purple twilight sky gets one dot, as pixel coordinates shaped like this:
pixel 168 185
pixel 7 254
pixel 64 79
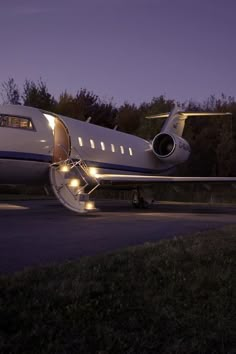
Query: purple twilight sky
pixel 128 50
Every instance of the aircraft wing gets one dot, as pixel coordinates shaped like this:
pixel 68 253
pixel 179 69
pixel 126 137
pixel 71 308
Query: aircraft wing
pixel 167 179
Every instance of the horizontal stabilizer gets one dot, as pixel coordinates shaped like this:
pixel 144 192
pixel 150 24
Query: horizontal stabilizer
pixel 175 121
pixel 185 115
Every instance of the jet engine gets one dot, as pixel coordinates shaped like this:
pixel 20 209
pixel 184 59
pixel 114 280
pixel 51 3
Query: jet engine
pixel 171 148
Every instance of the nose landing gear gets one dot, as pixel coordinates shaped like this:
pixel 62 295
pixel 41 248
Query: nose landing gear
pixel 138 200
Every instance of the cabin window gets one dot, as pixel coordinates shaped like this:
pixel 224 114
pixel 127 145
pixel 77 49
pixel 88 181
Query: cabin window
pixel 122 149
pixel 92 144
pixel 130 152
pixel 16 122
pixel 102 145
pixel 80 141
pixel 113 148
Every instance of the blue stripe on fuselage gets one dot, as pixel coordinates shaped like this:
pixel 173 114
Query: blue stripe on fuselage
pixel 110 166
pixel 25 156
pixel 14 155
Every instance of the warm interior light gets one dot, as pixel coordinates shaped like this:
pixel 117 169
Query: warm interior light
pixel 89 205
pixel 80 141
pixel 92 144
pixel 51 120
pixel 74 182
pixel 93 171
pixel 64 168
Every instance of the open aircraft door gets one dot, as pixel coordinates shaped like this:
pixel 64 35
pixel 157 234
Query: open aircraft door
pixel 68 176
pixel 61 141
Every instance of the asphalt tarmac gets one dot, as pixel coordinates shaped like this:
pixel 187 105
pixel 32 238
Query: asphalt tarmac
pixel 34 233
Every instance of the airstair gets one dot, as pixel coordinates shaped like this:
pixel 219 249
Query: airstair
pixel 72 183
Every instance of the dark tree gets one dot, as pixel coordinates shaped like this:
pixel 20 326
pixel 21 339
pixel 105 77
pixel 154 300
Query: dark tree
pixel 37 95
pixel 128 118
pixel 66 106
pixel 10 92
pixel 86 104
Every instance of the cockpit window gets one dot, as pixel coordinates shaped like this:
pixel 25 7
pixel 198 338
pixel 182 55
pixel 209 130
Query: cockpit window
pixel 16 122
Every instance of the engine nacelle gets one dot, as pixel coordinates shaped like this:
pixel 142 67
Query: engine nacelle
pixel 171 148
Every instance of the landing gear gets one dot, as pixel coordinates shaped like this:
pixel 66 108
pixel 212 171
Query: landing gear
pixel 138 200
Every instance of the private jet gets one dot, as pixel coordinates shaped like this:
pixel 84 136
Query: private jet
pixel 76 157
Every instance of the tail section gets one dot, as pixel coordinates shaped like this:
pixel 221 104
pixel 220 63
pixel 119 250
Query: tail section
pixel 176 119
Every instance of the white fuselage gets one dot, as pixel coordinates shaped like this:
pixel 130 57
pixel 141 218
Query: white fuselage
pixel 25 154
pixel 76 157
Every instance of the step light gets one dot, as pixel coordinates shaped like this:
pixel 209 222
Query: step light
pixel 93 171
pixel 74 183
pixel 90 205
pixel 64 168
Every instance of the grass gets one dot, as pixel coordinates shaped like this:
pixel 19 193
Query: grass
pixel 176 296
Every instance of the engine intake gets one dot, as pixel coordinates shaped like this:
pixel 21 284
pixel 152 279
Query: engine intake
pixel 163 145
pixel 171 148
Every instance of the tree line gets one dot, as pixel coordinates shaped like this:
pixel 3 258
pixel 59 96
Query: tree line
pixel 212 139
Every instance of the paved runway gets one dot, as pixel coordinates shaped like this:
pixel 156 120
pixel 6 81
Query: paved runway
pixel 43 232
